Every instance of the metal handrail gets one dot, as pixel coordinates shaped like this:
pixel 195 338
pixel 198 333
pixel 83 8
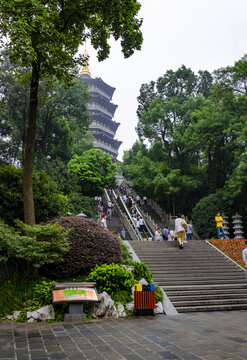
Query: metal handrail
pixel 107 196
pixel 125 220
pixel 147 227
pixel 130 217
pixel 114 194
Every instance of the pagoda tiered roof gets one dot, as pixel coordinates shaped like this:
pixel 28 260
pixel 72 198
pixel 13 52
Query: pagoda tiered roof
pixel 105 120
pixel 100 100
pixel 98 82
pixel 106 139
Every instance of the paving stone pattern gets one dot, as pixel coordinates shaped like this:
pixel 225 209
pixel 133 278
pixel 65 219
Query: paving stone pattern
pixel 191 336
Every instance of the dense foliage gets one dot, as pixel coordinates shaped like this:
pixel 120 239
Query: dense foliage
pixel 30 247
pixel 14 292
pixel 49 201
pixel 192 142
pixel 63 119
pixel 203 214
pixel 43 40
pixel 90 245
pixel 111 278
pixel 93 171
pixel 141 271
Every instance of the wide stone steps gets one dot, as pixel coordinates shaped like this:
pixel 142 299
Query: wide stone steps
pixel 197 278
pixel 225 307
pixel 206 296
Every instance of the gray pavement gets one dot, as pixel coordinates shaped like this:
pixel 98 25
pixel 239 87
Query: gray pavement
pixel 191 336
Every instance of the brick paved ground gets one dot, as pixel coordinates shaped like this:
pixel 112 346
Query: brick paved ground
pixel 194 336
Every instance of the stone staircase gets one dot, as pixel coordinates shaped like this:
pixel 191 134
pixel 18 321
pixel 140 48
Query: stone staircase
pixel 115 225
pixel 152 213
pixel 196 278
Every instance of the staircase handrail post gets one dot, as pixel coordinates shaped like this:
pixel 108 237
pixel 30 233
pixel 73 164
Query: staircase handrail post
pixel 124 219
pixel 130 217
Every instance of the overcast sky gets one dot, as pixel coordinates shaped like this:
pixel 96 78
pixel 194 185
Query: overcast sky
pixel 201 34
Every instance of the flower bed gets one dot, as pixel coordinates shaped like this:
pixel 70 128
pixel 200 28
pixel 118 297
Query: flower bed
pixel 231 247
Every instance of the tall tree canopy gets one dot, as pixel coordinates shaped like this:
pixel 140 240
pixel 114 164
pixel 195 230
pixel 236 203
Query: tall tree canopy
pixel 192 130
pixel 44 36
pixel 62 119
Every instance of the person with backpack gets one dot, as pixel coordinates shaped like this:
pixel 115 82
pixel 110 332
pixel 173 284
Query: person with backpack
pixel 181 227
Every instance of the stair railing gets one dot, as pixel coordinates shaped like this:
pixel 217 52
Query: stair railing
pixel 130 218
pixel 143 215
pixel 157 209
pixel 124 219
pixel 107 196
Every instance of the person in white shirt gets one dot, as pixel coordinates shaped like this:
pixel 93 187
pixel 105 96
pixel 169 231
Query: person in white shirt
pixel 171 234
pixel 181 227
pixel 177 220
pixel 103 222
pixel 157 235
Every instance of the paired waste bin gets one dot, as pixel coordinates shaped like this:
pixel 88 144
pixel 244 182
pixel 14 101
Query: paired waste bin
pixel 144 299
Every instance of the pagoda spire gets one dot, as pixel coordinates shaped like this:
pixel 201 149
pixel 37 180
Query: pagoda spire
pixel 85 69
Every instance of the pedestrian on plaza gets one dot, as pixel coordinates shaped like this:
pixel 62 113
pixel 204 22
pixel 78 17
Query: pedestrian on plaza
pixel 219 226
pixel 165 233
pixel 189 231
pixel 181 227
pixel 145 199
pixel 123 234
pixel 244 254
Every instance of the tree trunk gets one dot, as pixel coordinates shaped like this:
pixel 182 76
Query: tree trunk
pixel 29 214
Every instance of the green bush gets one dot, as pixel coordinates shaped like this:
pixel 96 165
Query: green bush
pixel 32 246
pixel 14 292
pixel 112 278
pixel 23 315
pixel 158 294
pixel 203 215
pixel 141 271
pixel 90 245
pixel 49 203
pixel 125 253
pixel 42 294
pixel 79 203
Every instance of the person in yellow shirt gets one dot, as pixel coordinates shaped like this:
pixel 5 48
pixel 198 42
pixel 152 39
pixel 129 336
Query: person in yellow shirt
pixel 219 226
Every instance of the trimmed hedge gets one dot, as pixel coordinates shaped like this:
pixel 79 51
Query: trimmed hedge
pixel 90 245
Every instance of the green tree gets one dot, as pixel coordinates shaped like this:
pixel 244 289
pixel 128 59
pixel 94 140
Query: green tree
pixel 44 36
pixel 63 119
pixel 93 171
pixel 49 201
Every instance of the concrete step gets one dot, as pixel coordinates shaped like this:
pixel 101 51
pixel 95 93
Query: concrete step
pixel 225 307
pixel 204 297
pixel 200 287
pixel 197 278
pixel 164 283
pixel 206 302
pixel 176 269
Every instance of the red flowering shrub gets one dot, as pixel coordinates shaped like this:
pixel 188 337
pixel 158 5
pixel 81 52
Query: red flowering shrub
pixel 90 245
pixel 231 247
